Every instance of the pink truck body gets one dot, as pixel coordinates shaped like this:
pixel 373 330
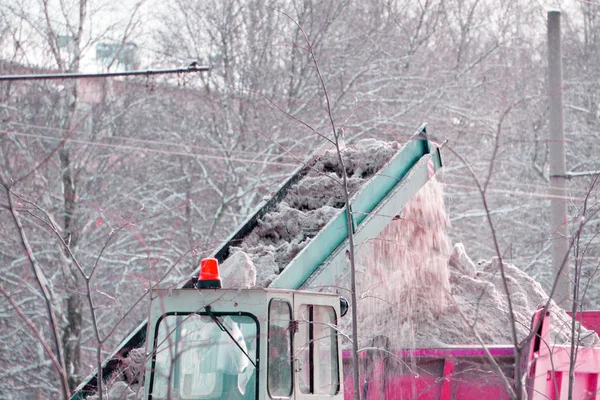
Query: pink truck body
pixel 440 374
pixel 465 373
pixel 549 364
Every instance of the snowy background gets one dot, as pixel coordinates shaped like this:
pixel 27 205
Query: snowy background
pixel 120 184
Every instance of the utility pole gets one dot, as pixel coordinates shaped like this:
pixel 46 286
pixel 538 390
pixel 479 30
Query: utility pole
pixel 558 180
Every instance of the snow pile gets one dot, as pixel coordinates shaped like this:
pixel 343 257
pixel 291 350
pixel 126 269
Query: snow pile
pixel 479 302
pixel 309 205
pixel 419 293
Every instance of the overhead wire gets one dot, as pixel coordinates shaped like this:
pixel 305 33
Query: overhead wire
pixel 532 186
pixel 526 193
pixel 156 142
pixel 287 155
pixel 294 160
pixel 546 196
pixel 147 149
pixel 512 192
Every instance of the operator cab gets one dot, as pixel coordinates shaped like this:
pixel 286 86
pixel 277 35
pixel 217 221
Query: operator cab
pixel 257 344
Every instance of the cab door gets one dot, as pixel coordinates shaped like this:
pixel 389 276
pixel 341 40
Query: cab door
pixel 317 356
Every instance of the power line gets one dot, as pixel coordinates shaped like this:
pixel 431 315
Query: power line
pixel 290 156
pixel 524 193
pixel 495 182
pixel 161 151
pixel 576 194
pixel 36 77
pixel 513 192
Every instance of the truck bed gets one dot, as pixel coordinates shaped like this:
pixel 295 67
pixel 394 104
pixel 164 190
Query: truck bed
pixel 460 373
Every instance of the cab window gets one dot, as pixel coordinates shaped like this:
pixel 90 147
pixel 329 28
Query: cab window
pixel 279 382
pixel 198 358
pixel 317 350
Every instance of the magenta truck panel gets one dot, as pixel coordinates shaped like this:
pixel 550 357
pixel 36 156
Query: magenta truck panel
pixel 459 373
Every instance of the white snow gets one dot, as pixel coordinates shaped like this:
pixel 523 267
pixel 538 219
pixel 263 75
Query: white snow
pixel 238 271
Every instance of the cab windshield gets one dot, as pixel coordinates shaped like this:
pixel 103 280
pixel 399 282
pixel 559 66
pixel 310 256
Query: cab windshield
pixel 199 358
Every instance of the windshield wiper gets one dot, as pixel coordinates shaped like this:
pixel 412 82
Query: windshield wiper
pixel 224 329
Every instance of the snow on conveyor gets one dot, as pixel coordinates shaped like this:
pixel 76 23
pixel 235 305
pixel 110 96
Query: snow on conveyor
pixel 307 207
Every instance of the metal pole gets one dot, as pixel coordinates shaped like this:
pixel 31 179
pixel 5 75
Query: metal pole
pixel 38 77
pixel 558 182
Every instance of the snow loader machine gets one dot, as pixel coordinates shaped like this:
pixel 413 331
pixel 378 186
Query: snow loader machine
pixel 207 342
